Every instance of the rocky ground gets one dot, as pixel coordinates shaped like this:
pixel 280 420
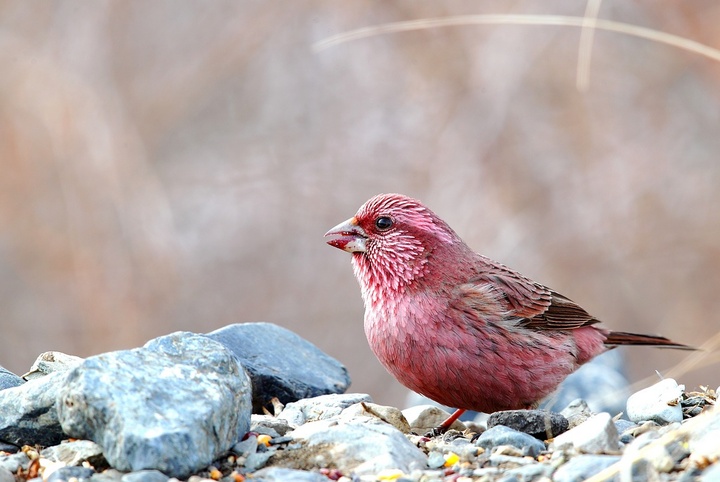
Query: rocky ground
pixel 257 402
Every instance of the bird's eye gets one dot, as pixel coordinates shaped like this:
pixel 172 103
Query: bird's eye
pixel 383 223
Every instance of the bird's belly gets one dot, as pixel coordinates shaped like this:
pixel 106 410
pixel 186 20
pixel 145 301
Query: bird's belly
pixel 479 368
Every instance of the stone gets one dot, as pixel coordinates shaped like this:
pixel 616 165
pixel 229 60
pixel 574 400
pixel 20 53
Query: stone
pixel 424 418
pixel 703 440
pixel 6 475
pixel 9 448
pixel 269 424
pixel 281 364
pixel 51 362
pixel 29 415
pixel 64 474
pixel 583 467
pixel 144 476
pixel 360 447
pixel 712 473
pixel 257 460
pixel 502 435
pixel 112 475
pixel 531 472
pixel 625 429
pixel 541 424
pixel 659 403
pixel 8 379
pixel 596 435
pixel 75 453
pixel 576 412
pixel 391 415
pixel 173 405
pixel 319 408
pixel 14 462
pixel 279 474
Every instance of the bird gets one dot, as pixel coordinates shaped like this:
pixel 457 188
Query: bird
pixel 454 325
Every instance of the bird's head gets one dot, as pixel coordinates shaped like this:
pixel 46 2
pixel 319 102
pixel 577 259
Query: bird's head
pixel 391 238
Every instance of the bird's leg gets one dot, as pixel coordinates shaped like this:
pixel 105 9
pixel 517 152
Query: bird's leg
pixel 443 427
pixel 451 419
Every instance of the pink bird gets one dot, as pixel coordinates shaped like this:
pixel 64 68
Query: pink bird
pixel 456 326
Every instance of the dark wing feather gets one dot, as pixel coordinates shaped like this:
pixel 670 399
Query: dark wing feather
pixel 535 305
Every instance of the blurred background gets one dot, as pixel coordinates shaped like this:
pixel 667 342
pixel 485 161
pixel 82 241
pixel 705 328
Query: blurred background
pixel 173 165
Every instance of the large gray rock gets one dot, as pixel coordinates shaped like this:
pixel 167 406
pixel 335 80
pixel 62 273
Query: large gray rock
pixel 282 364
pixel 8 379
pixel 361 447
pixel 28 412
pixel 173 405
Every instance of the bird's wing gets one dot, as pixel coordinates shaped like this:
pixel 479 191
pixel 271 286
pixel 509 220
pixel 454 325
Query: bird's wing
pixel 534 305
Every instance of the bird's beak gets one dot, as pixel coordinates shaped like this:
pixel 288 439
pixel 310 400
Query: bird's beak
pixel 348 236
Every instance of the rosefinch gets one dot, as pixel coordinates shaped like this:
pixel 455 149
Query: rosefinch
pixel 456 326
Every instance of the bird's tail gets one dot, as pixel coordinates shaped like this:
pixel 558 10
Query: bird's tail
pixel 616 338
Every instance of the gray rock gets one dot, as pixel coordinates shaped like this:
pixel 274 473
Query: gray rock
pixel 6 475
pixel 391 415
pixel 64 474
pixel 9 448
pixel 257 460
pixel 279 474
pixel 596 435
pixel 109 475
pixel 174 405
pixel 576 412
pixel 649 453
pixel 711 474
pixel 436 459
pixel 361 447
pixel 28 412
pixel 282 364
pixel 246 447
pixel 541 424
pixel 703 441
pixel 75 453
pixel 659 403
pixel 424 418
pixel 144 476
pixel 13 462
pixel 51 362
pixel 583 466
pixel 8 379
pixel 625 429
pixel 501 435
pixel 530 472
pixel 320 408
pixel 269 424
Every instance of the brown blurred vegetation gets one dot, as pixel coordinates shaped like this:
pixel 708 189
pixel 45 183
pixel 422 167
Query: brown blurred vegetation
pixel 173 165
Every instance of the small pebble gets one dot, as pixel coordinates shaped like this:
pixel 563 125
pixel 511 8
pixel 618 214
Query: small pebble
pixel 501 435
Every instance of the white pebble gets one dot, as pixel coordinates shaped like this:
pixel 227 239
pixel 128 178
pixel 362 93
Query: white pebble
pixel 659 403
pixel 597 435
